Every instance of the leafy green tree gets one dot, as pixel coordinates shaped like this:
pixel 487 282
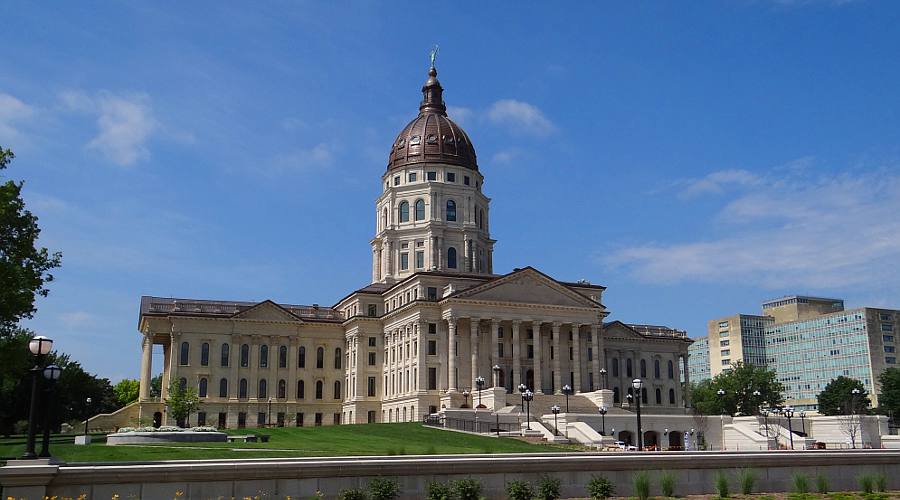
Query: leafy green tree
pixel 156 386
pixel 837 397
pixel 182 402
pixel 15 381
pixel 889 399
pixel 740 385
pixel 127 391
pixel 24 268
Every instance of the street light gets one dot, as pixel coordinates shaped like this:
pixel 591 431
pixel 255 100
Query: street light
pixel 803 422
pixel 765 414
pixel 528 396
pixel 466 401
pixel 638 384
pixel 555 410
pixel 38 346
pixel 51 373
pixel 269 417
pixel 496 369
pixel 721 394
pixel 789 413
pixel 692 435
pixel 603 411
pixel 88 407
pixel 479 381
pixel 853 395
pixel 756 395
pixel 603 376
pixel 567 390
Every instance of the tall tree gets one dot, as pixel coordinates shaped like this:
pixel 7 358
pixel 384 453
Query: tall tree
pixel 889 399
pixel 837 397
pixel 24 268
pixel 182 401
pixel 740 385
pixel 126 391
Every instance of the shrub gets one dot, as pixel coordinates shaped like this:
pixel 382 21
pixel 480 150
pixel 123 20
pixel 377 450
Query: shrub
pixel 822 484
pixel 866 483
pixel 352 494
pixel 600 488
pixel 548 488
pixel 667 484
pixel 466 489
pixel 438 491
pixel 881 482
pixel 801 484
pixel 722 484
pixel 519 490
pixel 747 478
pixel 383 489
pixel 642 485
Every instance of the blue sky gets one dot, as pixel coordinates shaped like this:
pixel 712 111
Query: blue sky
pixel 695 157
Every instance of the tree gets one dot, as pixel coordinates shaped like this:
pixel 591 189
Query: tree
pixel 182 401
pixel 740 385
pixel 127 391
pixel 889 399
pixel 15 381
pixel 156 387
pixel 24 268
pixel 837 397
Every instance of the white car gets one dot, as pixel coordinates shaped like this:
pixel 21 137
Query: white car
pixel 627 447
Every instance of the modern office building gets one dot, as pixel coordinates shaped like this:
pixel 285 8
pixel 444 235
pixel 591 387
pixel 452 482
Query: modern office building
pixel 698 360
pixel 736 338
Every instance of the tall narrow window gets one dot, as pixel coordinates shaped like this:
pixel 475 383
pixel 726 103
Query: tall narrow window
pixel 615 367
pixel 671 396
pixel 282 389
pixel 282 357
pixel 337 358
pixel 263 391
pixel 204 354
pixel 643 369
pixel 301 389
pixel 263 356
pixel 451 258
pixel 245 355
pixel 384 218
pixel 184 355
pixel 242 391
pixel 671 370
pixel 318 389
pixel 223 388
pixel 182 384
pixel 628 371
pixel 655 368
pixel 404 211
pixel 301 357
pixel 420 209
pixel 337 389
pixel 320 358
pixel 451 210
pixel 204 388
pixel 225 354
pixel 658 396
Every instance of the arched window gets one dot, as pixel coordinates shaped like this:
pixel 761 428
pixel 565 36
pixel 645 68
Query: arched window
pixel 628 371
pixel 282 357
pixel 404 211
pixel 615 367
pixel 658 396
pixel 182 384
pixel 643 369
pixel 671 396
pixel 263 391
pixel 263 356
pixel 223 388
pixel 204 387
pixel 242 389
pixel 282 389
pixel 301 357
pixel 337 389
pixel 671 370
pixel 451 210
pixel 481 219
pixel 225 354
pixel 245 355
pixel 204 354
pixel 337 358
pixel 420 210
pixel 644 395
pixel 318 389
pixel 451 258
pixel 184 355
pixel 301 390
pixel 384 218
pixel 320 358
pixel 655 368
pixel 616 398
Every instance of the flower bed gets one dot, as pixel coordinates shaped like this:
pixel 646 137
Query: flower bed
pixel 166 433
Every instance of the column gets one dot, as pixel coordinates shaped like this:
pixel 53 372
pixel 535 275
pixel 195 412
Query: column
pixel 517 359
pixel 451 356
pixel 557 386
pixel 376 265
pixel 253 381
pixel 576 339
pixel 163 384
pixel 495 350
pixel 443 375
pixel 234 360
pixel 473 343
pixel 687 381
pixel 292 370
pixel 146 364
pixel 174 353
pixel 595 363
pixel 422 355
pixel 538 380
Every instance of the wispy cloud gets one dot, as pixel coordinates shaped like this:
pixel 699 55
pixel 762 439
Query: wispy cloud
pixel 320 156
pixel 504 157
pixel 521 116
pixel 13 113
pixel 808 232
pixel 125 124
pixel 77 319
pixel 717 182
pixel 460 114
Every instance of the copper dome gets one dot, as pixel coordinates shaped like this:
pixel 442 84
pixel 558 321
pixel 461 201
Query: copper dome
pixel 431 136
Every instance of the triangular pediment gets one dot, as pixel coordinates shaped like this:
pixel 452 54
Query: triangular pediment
pixel 266 311
pixel 527 286
pixel 620 330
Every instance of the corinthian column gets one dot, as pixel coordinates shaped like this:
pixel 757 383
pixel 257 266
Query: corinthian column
pixel 557 386
pixel 473 342
pixel 451 354
pixel 576 339
pixel 146 364
pixel 538 381
pixel 517 357
pixel 595 363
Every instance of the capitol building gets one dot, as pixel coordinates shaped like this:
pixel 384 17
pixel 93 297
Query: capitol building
pixel 436 320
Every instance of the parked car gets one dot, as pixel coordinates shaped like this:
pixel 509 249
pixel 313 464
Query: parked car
pixel 627 447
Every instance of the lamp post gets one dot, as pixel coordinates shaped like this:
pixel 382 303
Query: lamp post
pixel 721 394
pixel 51 373
pixel 803 423
pixel 555 410
pixel 567 390
pixel 765 414
pixel 691 434
pixel 479 382
pixel 638 384
pixel 756 395
pixel 789 414
pixel 853 395
pixel 496 370
pixel 466 396
pixel 528 396
pixel 603 411
pixel 269 414
pixel 87 405
pixel 603 377
pixel 38 346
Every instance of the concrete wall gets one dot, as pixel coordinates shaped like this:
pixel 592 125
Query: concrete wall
pixel 280 478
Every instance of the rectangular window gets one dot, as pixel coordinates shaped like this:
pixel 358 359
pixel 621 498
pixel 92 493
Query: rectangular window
pixel 300 419
pixel 890 360
pixel 372 310
pixel 590 354
pixel 242 420
pixel 432 293
pixel 336 419
pixel 887 327
pixel 432 328
pixel 726 362
pixel 466 180
pixel 889 348
pixel 723 334
pixel 431 176
pixel 530 334
pixel 725 352
pixel 432 378
pixel 885 317
pixel 571 354
pixel 371 359
pixel 723 343
pixel 451 177
pixel 500 349
pixel 420 259
pixel 887 338
pixel 412 177
pixel 371 387
pixel 370 416
pixel 318 419
pixel 396 180
pixel 201 418
pixel 530 351
pixel 723 324
pixel 222 420
pixel 404 261
pixel 261 419
pixel 432 348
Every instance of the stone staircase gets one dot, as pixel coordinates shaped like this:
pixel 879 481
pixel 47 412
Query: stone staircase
pixel 542 403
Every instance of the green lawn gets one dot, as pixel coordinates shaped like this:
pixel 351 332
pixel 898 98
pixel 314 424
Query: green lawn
pixel 369 439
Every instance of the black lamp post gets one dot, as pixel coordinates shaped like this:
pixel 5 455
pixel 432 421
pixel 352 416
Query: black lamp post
pixel 603 376
pixel 527 397
pixel 479 382
pixel 803 422
pixel 765 414
pixel 853 395
pixel 269 413
pixel 603 411
pixel 756 395
pixel 721 394
pixel 51 373
pixel 789 413
pixel 87 405
pixel 39 346
pixel 567 390
pixel 638 384
pixel 466 396
pixel 555 410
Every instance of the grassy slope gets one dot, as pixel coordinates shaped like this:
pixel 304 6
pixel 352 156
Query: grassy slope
pixel 369 439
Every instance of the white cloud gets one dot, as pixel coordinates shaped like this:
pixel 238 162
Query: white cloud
pixel 716 182
pixel 804 233
pixel 459 114
pixel 521 116
pixel 125 124
pixel 77 319
pixel 319 156
pixel 12 113
pixel 504 157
